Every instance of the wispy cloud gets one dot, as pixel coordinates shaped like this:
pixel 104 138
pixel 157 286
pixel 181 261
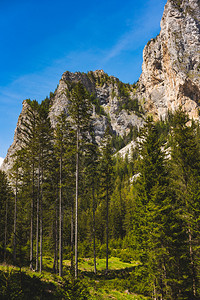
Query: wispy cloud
pixel 139 32
pixel 124 43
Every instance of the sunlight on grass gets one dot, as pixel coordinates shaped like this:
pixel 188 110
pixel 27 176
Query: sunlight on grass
pixel 114 263
pixel 100 288
pixel 102 294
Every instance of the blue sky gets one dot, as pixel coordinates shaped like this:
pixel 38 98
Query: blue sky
pixel 41 39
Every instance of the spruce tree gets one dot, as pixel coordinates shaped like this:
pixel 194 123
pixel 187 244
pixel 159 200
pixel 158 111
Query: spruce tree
pixel 106 169
pixel 45 150
pixel 64 151
pixel 29 142
pixel 185 164
pixel 153 215
pixel 79 110
pixel 6 209
pixel 92 180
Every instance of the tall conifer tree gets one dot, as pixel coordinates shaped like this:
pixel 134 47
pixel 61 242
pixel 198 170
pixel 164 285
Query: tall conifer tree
pixel 106 170
pixel 186 181
pixel 79 109
pixel 153 215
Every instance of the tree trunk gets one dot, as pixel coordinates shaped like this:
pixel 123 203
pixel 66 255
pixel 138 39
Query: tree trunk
pixel 37 221
pixel 32 217
pixel 41 221
pixel 6 229
pixel 15 221
pixel 94 231
pixel 60 222
pixel 55 264
pixel 76 205
pixel 72 237
pixel 107 231
pixel 192 261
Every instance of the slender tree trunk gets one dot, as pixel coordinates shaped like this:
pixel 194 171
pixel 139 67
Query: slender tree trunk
pixel 76 205
pixel 6 229
pixel 41 233
pixel 55 265
pixel 15 221
pixel 41 222
pixel 37 221
pixel 107 231
pixel 94 231
pixel 72 236
pixel 32 219
pixel 192 261
pixel 154 292
pixel 60 221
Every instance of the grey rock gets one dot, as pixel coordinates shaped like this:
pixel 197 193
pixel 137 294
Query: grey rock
pixel 171 62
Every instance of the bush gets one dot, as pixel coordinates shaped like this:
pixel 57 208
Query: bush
pixel 72 290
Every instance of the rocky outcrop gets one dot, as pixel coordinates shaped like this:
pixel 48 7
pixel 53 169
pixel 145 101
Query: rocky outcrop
pixel 171 62
pixel 127 150
pixel 111 94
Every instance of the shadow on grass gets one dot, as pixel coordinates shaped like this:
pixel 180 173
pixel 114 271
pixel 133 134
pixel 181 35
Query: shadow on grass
pixel 19 285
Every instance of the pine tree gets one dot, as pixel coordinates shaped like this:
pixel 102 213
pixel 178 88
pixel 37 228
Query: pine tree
pixel 15 178
pixel 185 163
pixel 79 110
pixel 92 179
pixel 106 169
pixel 45 150
pixel 64 149
pixel 6 207
pixel 153 216
pixel 30 150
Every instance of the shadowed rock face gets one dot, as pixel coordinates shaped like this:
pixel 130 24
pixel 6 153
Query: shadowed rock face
pixel 171 61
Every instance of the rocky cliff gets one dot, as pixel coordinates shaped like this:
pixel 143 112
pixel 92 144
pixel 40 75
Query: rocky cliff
pixel 118 101
pixel 171 61
pixel 170 78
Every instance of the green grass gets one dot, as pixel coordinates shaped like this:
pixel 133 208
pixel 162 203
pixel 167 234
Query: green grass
pixel 115 285
pixel 113 294
pixel 114 263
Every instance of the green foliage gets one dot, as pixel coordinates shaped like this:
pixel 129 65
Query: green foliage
pixel 19 285
pixel 185 174
pixel 72 290
pixel 177 3
pixel 98 107
pixel 131 105
pixel 6 217
pixel 117 142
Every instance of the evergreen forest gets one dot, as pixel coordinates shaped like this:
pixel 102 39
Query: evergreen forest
pixel 70 209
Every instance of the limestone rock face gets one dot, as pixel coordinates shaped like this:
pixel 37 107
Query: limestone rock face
pixel 171 62
pixel 106 89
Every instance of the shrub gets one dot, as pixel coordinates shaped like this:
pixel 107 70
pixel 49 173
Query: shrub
pixel 72 290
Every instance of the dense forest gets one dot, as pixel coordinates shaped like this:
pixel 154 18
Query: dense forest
pixel 68 198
